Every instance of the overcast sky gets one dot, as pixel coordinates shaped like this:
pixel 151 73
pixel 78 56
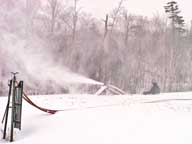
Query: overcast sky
pixel 144 7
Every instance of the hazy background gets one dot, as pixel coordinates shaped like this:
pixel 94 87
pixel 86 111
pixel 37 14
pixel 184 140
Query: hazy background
pixel 61 46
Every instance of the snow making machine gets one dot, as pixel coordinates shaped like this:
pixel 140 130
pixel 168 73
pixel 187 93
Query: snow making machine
pixel 14 103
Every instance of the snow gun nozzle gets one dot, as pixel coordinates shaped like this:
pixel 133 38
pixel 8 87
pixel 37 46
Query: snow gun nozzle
pixel 14 73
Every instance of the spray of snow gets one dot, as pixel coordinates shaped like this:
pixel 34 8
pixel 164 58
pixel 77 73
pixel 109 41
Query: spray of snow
pixel 36 65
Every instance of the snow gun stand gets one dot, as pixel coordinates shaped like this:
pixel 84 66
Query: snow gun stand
pixel 15 104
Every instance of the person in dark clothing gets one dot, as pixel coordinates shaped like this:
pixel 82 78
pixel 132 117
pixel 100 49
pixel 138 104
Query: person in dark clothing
pixel 154 90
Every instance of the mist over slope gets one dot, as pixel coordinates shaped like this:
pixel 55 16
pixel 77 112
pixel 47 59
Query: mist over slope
pixel 47 41
pixel 31 55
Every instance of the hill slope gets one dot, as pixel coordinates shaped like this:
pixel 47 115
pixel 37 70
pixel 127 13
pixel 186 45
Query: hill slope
pixel 159 119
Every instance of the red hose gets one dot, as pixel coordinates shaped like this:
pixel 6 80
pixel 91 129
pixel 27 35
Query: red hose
pixel 27 99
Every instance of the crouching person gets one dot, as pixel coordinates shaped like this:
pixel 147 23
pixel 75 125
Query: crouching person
pixel 154 90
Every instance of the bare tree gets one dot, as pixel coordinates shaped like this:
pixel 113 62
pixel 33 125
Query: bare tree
pixel 54 9
pixel 75 19
pixel 31 9
pixel 128 26
pixel 106 25
pixel 115 14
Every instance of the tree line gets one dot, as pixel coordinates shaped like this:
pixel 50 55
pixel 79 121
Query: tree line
pixel 123 49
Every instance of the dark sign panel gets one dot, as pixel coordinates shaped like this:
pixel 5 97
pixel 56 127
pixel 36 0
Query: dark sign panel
pixel 18 105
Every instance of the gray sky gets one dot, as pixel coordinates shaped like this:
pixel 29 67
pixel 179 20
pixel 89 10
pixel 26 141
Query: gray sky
pixel 144 7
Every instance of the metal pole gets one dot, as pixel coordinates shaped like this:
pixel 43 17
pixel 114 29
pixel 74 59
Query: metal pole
pixel 7 110
pixel 13 105
pixel 7 107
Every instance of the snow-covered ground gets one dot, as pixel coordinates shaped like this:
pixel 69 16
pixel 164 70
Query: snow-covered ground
pixel 121 119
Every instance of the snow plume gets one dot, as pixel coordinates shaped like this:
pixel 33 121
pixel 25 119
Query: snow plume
pixel 37 67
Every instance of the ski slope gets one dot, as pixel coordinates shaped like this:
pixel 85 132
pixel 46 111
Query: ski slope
pixel 120 119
